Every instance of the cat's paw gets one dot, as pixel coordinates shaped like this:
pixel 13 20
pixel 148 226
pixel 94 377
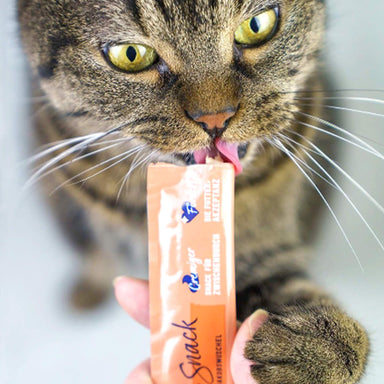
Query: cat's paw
pixel 308 345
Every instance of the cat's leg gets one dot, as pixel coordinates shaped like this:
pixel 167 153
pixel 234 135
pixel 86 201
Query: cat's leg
pixel 109 242
pixel 92 283
pixel 306 339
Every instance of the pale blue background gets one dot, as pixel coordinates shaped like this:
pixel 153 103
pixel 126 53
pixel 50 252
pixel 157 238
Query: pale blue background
pixel 42 341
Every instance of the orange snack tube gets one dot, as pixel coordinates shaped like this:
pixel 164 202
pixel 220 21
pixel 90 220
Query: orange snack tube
pixel 191 272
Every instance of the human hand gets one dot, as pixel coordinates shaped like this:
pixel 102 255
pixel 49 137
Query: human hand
pixel 133 296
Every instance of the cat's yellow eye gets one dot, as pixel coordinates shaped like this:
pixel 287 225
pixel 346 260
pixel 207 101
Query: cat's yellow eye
pixel 257 29
pixel 131 57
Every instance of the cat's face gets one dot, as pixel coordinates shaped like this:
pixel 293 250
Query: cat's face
pixel 200 80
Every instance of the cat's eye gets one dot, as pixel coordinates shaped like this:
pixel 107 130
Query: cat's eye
pixel 131 57
pixel 258 29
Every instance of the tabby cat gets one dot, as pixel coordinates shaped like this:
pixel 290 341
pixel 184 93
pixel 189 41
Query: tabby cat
pixel 122 83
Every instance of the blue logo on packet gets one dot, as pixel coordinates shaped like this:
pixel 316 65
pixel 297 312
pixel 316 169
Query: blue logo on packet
pixel 193 282
pixel 189 212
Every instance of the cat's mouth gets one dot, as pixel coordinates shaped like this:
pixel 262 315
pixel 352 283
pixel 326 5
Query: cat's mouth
pixel 221 150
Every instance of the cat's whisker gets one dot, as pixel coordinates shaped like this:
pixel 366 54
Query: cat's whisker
pixel 78 158
pixel 99 143
pixel 89 139
pixel 143 161
pixel 369 113
pixel 319 129
pixel 279 145
pixel 365 146
pixel 122 156
pixel 124 179
pixel 61 156
pixel 120 140
pixel 126 176
pixel 346 174
pixel 144 165
pixel 46 149
pixel 338 187
pixel 132 168
pixel 59 145
pixel 301 161
pixel 127 155
pixel 331 91
pixel 350 98
pixel 150 159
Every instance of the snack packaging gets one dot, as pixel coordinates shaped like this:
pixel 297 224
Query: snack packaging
pixel 191 272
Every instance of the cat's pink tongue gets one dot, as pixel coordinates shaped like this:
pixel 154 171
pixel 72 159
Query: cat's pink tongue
pixel 227 151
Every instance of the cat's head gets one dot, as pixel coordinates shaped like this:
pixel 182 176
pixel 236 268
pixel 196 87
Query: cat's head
pixel 184 76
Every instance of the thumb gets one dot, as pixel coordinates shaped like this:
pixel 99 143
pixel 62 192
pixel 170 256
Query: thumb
pixel 241 366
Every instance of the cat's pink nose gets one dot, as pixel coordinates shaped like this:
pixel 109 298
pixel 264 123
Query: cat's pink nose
pixel 216 120
pixel 214 123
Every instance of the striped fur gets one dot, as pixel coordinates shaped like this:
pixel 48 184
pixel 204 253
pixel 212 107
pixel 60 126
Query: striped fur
pixel 307 338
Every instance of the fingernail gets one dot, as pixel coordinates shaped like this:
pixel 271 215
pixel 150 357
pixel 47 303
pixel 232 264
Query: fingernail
pixel 256 320
pixel 117 279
